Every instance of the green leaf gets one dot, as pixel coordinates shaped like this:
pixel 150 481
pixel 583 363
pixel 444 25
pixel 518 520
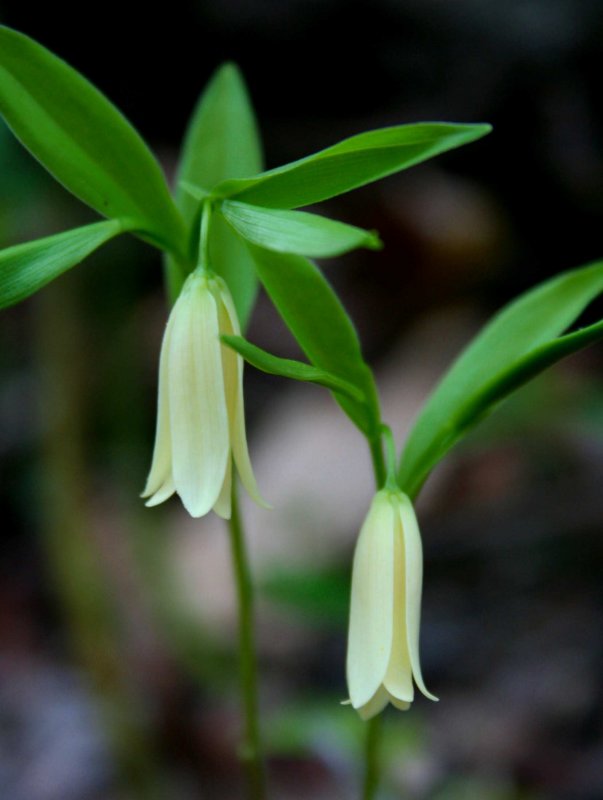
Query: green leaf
pixel 288 368
pixel 222 142
pixel 25 268
pixel 319 323
pixel 296 231
pixel 520 342
pixel 350 164
pixel 81 138
pixel 197 193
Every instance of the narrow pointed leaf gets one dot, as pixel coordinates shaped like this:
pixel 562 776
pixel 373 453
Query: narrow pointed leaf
pixel 25 268
pixel 521 341
pixel 323 330
pixel 352 163
pixel 222 142
pixel 289 368
pixel 296 231
pixel 82 139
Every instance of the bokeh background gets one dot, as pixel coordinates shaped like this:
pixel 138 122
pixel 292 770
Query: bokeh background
pixel 118 674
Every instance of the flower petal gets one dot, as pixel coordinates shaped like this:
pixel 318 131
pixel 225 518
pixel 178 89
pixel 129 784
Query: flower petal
pixel 222 506
pixel 398 680
pixel 231 360
pixel 162 493
pixel 371 607
pixel 374 705
pixel 233 381
pixel 413 558
pixel 198 417
pixel 241 452
pixel 161 465
pixel 401 705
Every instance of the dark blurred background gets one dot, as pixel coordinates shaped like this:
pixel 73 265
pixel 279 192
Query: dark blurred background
pixel 117 626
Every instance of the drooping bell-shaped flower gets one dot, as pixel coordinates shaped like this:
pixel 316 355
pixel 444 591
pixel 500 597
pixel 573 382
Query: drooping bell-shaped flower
pixel 200 417
pixel 385 612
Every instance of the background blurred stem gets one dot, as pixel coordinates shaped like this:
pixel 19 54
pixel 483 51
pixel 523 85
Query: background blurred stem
pixel 251 752
pixel 80 584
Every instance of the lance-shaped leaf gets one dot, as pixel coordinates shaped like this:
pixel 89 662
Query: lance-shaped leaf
pixel 83 140
pixel 222 139
pixel 221 142
pixel 323 330
pixel 521 340
pixel 296 231
pixel 25 268
pixel 289 368
pixel 351 163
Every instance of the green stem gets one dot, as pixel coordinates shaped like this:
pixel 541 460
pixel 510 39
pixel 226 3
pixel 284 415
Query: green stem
pixel 372 762
pixel 391 457
pixel 204 235
pixel 376 447
pixel 251 748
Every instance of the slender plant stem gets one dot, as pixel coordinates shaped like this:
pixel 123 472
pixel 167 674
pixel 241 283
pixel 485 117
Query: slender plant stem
pixel 372 762
pixel 204 235
pixel 251 749
pixel 376 447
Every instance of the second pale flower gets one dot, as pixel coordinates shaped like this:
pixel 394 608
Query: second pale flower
pixel 383 644
pixel 200 416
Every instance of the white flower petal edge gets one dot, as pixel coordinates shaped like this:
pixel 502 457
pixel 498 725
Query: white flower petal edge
pixel 383 645
pixel 413 560
pixel 200 419
pixel 160 480
pixel 236 410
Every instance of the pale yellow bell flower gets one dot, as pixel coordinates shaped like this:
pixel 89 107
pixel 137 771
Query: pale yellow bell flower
pixel 200 416
pixel 385 611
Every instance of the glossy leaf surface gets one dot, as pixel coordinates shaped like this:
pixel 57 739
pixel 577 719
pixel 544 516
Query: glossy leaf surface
pixel 323 330
pixel 296 231
pixel 521 340
pixel 25 268
pixel 83 140
pixel 221 142
pixel 352 163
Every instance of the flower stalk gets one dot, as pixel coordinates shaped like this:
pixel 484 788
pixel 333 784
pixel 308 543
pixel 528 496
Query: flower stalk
pixel 250 752
pixel 372 761
pixel 383 656
pixel 199 442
